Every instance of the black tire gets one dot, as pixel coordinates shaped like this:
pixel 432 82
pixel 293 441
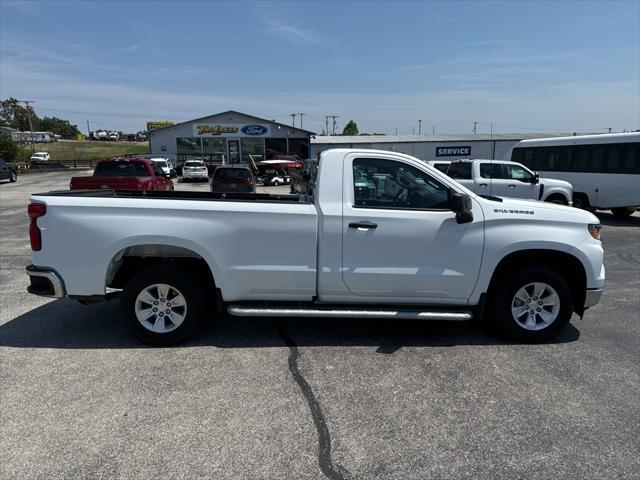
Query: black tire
pixel 622 212
pixel 506 290
pixel 189 285
pixel 557 199
pixel 13 177
pixel 276 183
pixel 581 202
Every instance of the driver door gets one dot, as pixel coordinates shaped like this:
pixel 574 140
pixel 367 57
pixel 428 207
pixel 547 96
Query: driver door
pixel 400 239
pixel 520 182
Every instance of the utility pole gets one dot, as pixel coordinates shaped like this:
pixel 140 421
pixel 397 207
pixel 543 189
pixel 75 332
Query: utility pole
pixel 396 130
pixel 293 116
pixel 326 124
pixel 301 115
pixel 433 130
pixel 419 127
pixel 27 102
pixel 333 117
pixel 475 124
pixel 413 130
pixel 88 130
pixel 609 129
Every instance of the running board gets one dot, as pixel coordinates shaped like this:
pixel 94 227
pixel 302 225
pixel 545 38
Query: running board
pixel 347 313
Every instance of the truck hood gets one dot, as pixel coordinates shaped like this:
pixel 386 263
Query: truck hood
pixel 562 211
pixel 552 182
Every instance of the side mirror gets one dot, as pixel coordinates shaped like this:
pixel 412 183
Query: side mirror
pixel 461 205
pixel 536 178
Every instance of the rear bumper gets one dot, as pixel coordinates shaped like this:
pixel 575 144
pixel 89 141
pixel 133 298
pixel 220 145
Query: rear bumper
pixel 45 282
pixel 592 297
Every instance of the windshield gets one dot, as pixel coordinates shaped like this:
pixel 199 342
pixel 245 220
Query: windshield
pixel 163 163
pixel 121 169
pixel 232 173
pixel 194 164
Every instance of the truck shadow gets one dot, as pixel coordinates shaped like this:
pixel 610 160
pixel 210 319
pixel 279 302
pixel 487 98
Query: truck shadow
pixel 69 325
pixel 609 220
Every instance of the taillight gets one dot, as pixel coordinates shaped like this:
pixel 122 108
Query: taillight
pixel 36 210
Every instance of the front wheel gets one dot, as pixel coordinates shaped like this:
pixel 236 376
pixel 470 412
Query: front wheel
pixel 13 177
pixel 532 304
pixel 163 304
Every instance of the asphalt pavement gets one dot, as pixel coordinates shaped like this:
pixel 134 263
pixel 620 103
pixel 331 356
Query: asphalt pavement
pixel 307 399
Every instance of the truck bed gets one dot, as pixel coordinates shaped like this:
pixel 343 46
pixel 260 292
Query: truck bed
pixel 182 195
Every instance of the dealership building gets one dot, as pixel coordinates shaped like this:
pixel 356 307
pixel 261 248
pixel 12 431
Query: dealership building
pixel 229 137
pixel 431 147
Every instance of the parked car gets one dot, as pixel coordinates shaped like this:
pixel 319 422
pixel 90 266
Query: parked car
pixel 40 157
pixel 420 246
pixel 509 179
pixel 233 178
pixel 442 165
pixel 166 166
pixel 276 177
pixel 8 171
pixel 194 170
pixel 124 174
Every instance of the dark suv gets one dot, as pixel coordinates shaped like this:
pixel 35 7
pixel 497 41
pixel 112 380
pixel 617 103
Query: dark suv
pixel 8 171
pixel 233 178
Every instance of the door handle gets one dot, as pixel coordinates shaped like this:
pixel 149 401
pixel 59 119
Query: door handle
pixel 363 225
pixel 511 186
pixel 484 184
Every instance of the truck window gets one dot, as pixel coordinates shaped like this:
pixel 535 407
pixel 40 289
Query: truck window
pixel 121 169
pixel 491 170
pixel 460 170
pixel 379 183
pixel 516 172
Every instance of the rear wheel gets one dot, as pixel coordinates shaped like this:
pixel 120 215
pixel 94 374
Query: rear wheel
pixel 13 177
pixel 532 304
pixel 622 212
pixel 276 183
pixel 163 304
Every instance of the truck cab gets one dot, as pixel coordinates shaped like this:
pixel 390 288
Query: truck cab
pixel 509 179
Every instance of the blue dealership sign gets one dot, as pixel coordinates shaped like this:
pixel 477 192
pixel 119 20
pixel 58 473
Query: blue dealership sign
pixel 254 130
pixel 453 151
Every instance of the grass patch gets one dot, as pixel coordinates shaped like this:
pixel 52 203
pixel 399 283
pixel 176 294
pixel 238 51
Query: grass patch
pixel 67 150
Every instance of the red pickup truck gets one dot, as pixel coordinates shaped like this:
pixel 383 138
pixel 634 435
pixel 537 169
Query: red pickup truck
pixel 124 174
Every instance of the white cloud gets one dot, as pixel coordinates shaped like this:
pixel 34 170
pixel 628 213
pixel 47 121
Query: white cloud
pixel 294 34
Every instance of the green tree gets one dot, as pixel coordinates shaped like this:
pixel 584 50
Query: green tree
pixel 8 148
pixel 14 115
pixel 350 128
pixel 59 127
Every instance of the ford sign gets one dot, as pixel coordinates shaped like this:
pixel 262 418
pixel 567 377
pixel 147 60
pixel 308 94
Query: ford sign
pixel 254 130
pixel 453 151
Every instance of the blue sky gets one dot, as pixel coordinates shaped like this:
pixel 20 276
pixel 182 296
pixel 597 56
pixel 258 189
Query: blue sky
pixel 525 66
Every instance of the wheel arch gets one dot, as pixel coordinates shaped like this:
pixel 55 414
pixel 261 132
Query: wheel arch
pixel 130 259
pixel 553 195
pixel 570 266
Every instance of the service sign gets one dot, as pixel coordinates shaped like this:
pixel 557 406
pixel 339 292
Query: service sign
pixel 229 130
pixel 453 151
pixel 155 124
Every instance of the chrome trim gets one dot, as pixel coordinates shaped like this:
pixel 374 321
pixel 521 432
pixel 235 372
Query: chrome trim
pixel 592 297
pixel 346 313
pixel 52 276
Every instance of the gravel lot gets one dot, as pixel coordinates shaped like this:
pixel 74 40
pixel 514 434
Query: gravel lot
pixel 257 398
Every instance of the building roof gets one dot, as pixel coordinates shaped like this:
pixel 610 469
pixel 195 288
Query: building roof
pixel 258 119
pixel 464 137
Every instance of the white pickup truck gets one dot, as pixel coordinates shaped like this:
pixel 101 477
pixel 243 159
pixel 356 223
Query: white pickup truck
pixel 385 236
pixel 502 178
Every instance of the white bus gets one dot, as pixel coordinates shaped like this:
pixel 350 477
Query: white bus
pixel 603 169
